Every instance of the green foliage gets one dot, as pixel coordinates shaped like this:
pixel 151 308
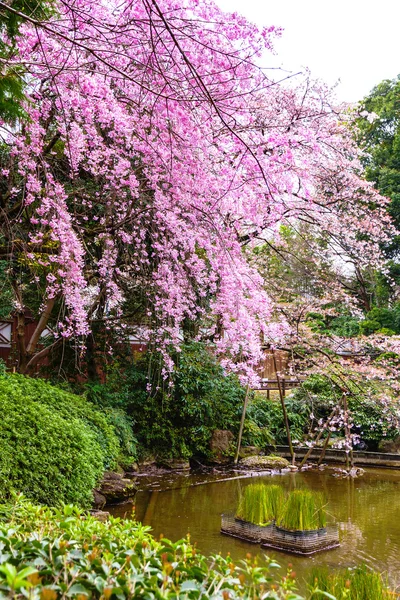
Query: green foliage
pixel 67 405
pixel 372 418
pixel 369 326
pixel 267 415
pixel 48 554
pixel 317 388
pixel 256 435
pixel 379 137
pixel 50 455
pixel 260 504
pixel 10 22
pixel 378 320
pixel 178 422
pixel 304 510
pixel 12 78
pixel 353 584
pixel 386 318
pixel 344 325
pixel 123 427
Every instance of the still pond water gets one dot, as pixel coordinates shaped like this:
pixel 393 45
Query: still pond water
pixel 367 511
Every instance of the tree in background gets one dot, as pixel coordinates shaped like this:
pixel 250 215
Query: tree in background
pixel 12 81
pixel 378 136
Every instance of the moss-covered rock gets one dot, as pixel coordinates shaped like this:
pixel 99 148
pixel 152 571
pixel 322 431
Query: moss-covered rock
pixel 221 446
pixel 275 463
pixel 246 451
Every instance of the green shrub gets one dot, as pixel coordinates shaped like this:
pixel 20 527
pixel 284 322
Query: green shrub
pixel 67 406
pixel 123 427
pixel 254 435
pixel 303 510
pixel 260 504
pixel 369 326
pixel 267 415
pixel 386 331
pixel 372 419
pixel 177 422
pixel 386 317
pixel 48 456
pixel 344 325
pixel 49 554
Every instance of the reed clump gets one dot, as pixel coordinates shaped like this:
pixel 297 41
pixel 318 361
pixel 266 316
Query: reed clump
pixel 260 504
pixel 304 510
pixel 353 584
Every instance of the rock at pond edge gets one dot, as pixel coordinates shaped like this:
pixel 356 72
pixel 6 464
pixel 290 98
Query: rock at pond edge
pixel 275 463
pixel 116 489
pixel 221 446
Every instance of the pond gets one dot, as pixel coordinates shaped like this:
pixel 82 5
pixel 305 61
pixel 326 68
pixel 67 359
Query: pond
pixel 366 509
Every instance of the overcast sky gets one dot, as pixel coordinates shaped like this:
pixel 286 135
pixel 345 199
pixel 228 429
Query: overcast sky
pixel 356 41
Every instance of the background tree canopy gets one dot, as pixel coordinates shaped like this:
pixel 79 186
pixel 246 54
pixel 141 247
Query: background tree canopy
pixel 379 137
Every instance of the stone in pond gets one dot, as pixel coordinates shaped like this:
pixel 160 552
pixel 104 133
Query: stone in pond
pixel 101 515
pixel 174 464
pixel 116 489
pixel 99 501
pixel 275 463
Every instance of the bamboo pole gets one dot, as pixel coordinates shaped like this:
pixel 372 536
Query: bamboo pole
pixel 246 399
pixel 349 452
pixel 285 417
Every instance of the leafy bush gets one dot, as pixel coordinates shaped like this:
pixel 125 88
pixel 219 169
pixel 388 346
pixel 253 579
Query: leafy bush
pixel 254 435
pixel 123 427
pixel 345 325
pixel 178 422
pixel 67 406
pixel 50 456
pixel 388 318
pixel 303 510
pixel 369 326
pixel 372 418
pixel 260 504
pixel 48 554
pixel 267 415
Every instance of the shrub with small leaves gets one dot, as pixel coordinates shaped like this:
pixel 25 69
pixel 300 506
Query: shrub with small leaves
pixel 48 451
pixel 48 554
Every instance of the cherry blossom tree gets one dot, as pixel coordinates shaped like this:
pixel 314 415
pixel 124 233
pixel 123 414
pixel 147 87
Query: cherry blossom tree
pixel 153 150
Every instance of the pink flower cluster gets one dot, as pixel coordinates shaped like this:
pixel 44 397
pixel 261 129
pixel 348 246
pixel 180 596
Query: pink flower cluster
pixel 172 146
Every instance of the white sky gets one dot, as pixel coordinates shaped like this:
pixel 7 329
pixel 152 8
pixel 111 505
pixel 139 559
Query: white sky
pixel 356 41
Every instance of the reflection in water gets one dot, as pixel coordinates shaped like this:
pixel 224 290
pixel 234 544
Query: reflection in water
pixel 367 510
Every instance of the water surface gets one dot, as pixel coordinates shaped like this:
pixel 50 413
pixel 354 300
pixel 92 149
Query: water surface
pixel 366 509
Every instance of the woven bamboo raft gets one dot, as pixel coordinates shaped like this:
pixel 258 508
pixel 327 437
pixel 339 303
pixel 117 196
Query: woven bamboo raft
pixel 243 529
pixel 305 543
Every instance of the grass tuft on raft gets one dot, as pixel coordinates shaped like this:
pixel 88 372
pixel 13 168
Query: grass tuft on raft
pixel 304 510
pixel 353 584
pixel 260 504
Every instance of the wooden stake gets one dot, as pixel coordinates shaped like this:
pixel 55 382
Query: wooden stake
pixel 285 417
pixel 246 399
